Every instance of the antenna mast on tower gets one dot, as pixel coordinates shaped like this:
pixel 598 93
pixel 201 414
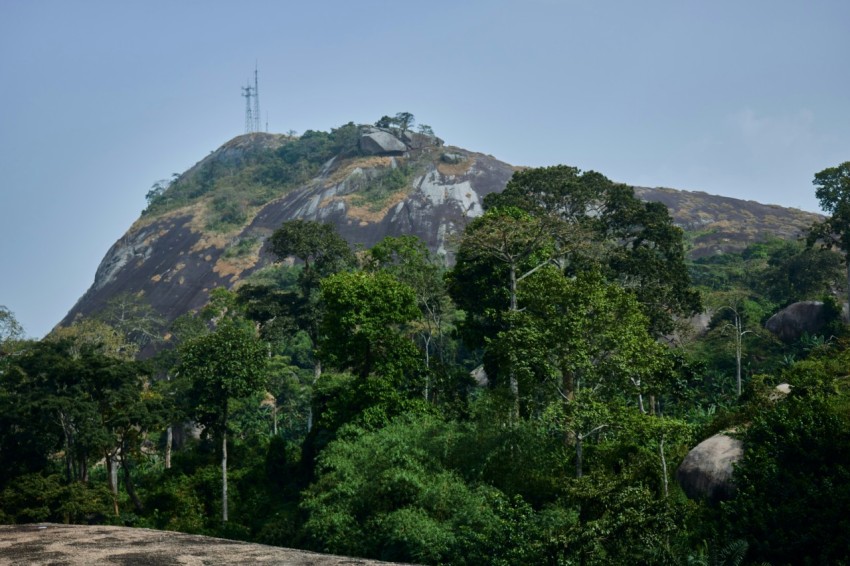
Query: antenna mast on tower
pixel 256 101
pixel 248 93
pixel 252 105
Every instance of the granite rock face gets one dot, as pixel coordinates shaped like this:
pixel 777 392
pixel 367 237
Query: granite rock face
pixel 83 545
pixel 380 142
pixel 174 260
pixel 793 321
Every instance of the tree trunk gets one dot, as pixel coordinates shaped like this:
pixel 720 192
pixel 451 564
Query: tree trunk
pixel 169 440
pixel 579 455
pixel 663 466
pixel 128 482
pixel 224 476
pixel 84 467
pixel 317 373
pixel 112 478
pixel 738 348
pixel 514 383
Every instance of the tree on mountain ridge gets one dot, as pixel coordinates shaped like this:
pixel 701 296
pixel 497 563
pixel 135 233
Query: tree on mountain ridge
pixel 833 193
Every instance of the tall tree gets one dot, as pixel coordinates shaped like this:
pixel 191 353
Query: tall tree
pixel 497 251
pixel 10 328
pixel 409 260
pixel 362 329
pixel 833 193
pixel 323 252
pixel 584 339
pixel 635 242
pixel 134 318
pixel 224 365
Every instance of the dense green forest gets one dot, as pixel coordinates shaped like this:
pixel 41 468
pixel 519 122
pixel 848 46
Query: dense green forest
pixel 528 405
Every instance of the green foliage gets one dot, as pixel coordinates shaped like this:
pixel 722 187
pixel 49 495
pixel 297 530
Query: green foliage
pixel 402 121
pixel 374 190
pixel 10 328
pixel 833 193
pixel 226 364
pixel 562 283
pixel 243 247
pixel 797 460
pixel 39 498
pixel 578 334
pixel 133 318
pixel 361 329
pixel 496 250
pixel 236 182
pixel 408 259
pixel 392 494
pixel 635 242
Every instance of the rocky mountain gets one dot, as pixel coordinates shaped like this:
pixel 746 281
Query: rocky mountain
pixel 208 227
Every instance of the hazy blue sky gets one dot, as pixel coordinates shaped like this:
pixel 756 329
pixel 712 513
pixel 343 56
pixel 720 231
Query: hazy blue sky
pixel 99 99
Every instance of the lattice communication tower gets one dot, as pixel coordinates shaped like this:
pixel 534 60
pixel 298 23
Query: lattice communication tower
pixel 252 105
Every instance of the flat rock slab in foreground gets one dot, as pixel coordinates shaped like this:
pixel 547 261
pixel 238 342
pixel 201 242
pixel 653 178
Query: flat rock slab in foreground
pixel 46 543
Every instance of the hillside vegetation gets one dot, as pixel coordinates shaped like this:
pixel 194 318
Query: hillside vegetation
pixel 527 403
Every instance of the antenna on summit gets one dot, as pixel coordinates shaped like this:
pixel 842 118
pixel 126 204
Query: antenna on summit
pixel 252 105
pixel 256 100
pixel 248 93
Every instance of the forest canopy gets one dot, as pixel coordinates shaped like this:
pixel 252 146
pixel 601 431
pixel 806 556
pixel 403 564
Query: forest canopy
pixel 528 405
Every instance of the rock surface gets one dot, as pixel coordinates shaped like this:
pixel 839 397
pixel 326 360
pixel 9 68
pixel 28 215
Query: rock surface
pixel 790 323
pixel 173 260
pixel 706 472
pixel 379 142
pixel 80 545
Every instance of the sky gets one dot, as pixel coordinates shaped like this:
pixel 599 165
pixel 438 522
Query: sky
pixel 100 99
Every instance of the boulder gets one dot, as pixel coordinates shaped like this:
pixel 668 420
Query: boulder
pixel 790 323
pixel 706 472
pixel 379 142
pixel 452 158
pixel 416 140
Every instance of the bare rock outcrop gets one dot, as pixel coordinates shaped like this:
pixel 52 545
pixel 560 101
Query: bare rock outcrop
pixel 81 545
pixel 379 142
pixel 706 472
pixel 793 321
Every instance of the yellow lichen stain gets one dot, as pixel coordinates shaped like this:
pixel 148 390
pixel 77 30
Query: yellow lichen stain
pixel 327 201
pixel 156 278
pixel 374 162
pixel 364 215
pixel 181 280
pixel 234 266
pixel 456 169
pixel 171 215
pixel 208 257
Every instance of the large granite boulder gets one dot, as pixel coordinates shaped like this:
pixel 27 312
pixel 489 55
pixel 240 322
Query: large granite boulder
pixel 790 323
pixel 706 472
pixel 379 142
pixel 416 140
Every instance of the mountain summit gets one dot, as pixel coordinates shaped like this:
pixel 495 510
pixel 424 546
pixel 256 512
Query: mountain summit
pixel 208 227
